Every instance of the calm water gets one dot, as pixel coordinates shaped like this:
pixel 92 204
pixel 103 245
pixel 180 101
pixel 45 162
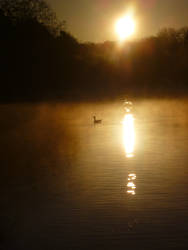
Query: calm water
pixel 66 183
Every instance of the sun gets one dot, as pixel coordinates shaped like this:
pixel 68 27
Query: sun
pixel 125 27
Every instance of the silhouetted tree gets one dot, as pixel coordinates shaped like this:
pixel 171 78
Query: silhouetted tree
pixel 23 10
pixel 41 60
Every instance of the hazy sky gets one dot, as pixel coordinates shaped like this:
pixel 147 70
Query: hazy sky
pixel 93 20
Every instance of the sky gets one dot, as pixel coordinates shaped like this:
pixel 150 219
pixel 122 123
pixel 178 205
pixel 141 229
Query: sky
pixel 93 20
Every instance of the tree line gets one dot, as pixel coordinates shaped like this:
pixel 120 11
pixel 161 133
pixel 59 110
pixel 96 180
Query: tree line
pixel 40 60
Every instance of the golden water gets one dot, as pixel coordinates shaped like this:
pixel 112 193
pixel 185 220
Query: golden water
pixel 69 184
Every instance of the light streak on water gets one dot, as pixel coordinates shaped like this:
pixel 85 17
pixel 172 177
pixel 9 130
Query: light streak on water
pixel 129 144
pixel 129 135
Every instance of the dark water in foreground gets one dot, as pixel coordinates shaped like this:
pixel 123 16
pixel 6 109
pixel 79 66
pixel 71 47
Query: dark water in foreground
pixel 67 184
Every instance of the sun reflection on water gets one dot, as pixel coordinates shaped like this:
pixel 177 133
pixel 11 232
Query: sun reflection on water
pixel 129 143
pixel 128 135
pixel 131 184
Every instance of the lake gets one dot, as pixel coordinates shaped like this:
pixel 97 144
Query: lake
pixel 69 184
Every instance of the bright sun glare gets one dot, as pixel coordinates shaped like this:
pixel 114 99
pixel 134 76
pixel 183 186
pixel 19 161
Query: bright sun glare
pixel 125 27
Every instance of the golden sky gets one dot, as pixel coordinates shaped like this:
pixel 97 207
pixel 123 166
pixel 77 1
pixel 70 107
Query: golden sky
pixel 93 20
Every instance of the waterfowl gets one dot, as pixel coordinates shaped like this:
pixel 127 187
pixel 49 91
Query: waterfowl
pixel 96 121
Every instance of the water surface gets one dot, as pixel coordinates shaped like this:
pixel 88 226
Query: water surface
pixel 69 184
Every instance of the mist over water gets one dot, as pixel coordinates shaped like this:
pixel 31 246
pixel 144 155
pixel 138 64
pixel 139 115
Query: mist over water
pixel 69 184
